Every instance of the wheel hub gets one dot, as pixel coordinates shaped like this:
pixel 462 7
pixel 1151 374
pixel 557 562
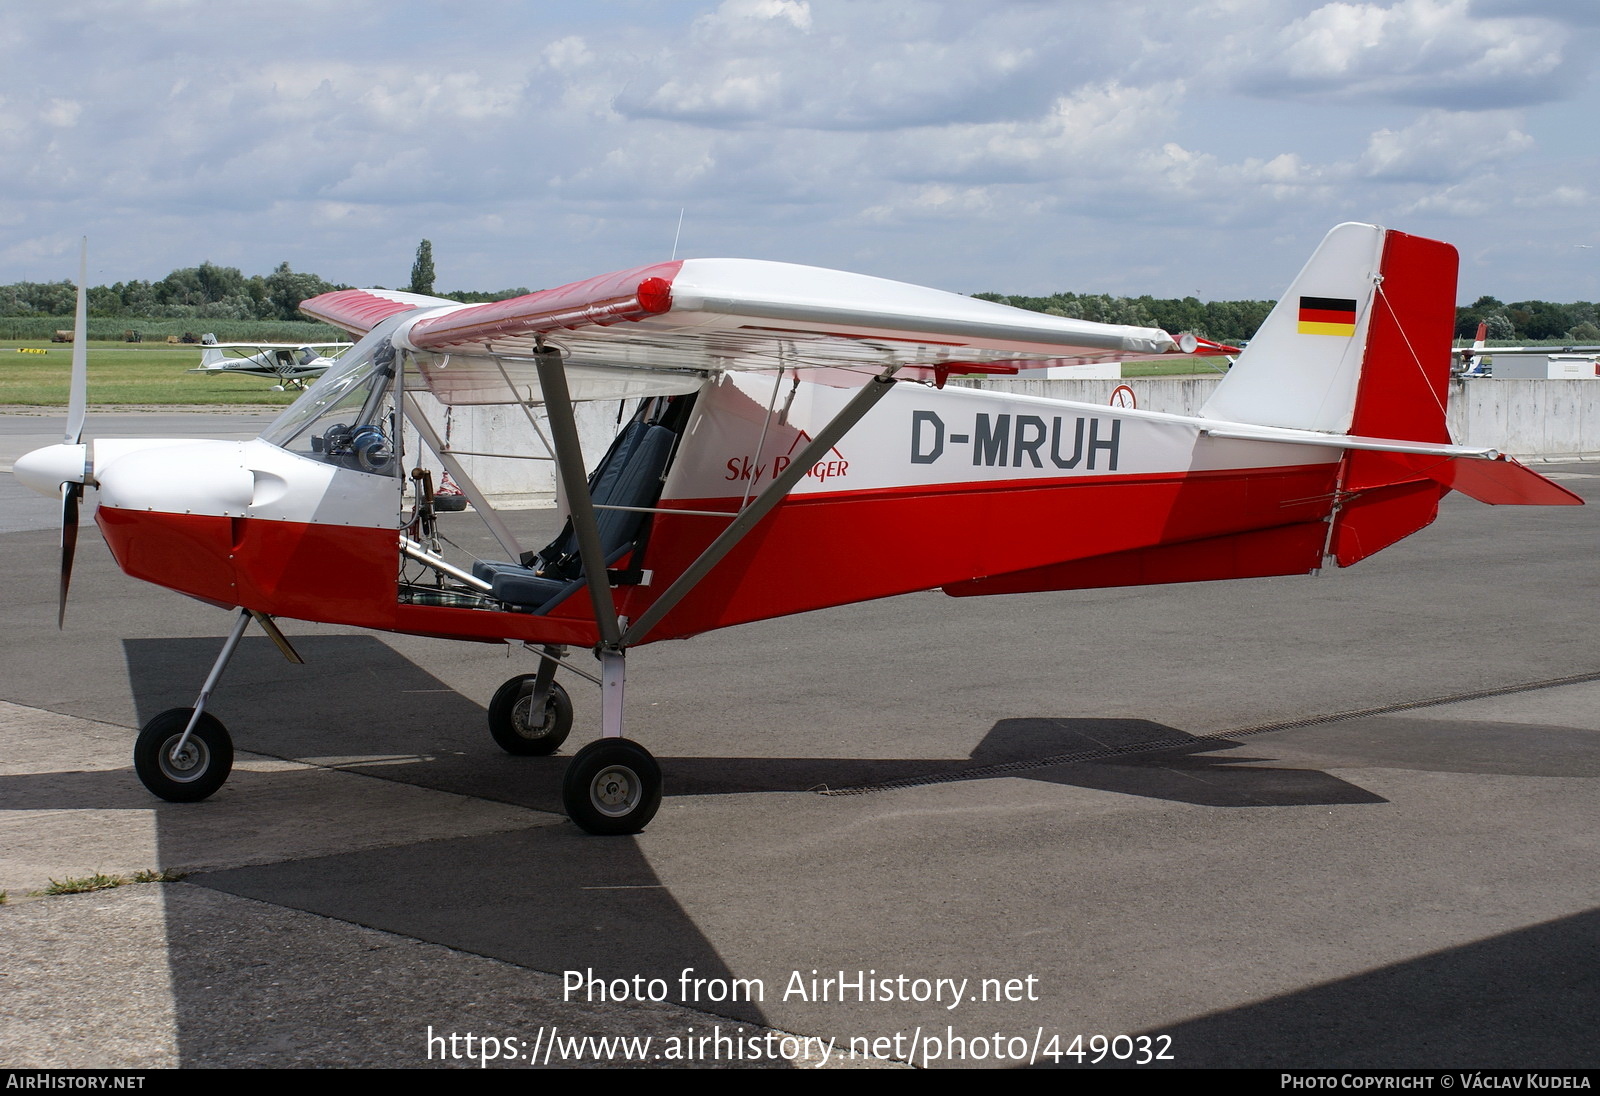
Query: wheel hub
pixel 522 717
pixel 185 764
pixel 615 790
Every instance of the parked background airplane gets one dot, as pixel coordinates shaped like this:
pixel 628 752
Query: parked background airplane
pixel 793 446
pixel 290 364
pixel 1478 360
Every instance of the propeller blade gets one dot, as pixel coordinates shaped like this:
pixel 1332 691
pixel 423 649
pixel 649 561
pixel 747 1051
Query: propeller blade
pixel 78 400
pixel 70 494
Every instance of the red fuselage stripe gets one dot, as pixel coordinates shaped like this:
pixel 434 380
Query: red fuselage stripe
pixel 811 552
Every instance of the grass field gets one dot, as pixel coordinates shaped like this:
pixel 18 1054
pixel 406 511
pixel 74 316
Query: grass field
pixel 123 374
pixel 1184 368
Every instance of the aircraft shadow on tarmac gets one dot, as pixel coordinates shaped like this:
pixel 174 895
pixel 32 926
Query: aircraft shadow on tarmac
pixel 368 702
pixel 370 710
pixel 547 898
pixel 571 901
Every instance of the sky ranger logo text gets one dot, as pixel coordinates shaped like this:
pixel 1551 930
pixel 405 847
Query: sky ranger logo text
pixel 1020 441
pixel 743 468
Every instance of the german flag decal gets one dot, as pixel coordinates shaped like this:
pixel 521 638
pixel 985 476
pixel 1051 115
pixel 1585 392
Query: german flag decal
pixel 1327 316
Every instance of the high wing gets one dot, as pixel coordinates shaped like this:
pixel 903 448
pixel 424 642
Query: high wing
pixel 662 328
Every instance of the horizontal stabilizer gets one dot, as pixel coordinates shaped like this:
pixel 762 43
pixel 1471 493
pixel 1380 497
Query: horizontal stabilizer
pixel 1502 482
pixel 1344 441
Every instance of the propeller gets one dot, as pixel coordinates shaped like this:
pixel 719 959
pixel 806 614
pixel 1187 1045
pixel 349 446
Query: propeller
pixel 77 409
pixel 78 399
pixel 70 494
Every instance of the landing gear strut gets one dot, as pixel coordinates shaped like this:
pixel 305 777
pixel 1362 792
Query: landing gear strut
pixel 612 786
pixel 184 755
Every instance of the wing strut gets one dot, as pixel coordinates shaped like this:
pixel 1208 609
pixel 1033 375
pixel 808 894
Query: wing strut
pixel 826 438
pixel 575 485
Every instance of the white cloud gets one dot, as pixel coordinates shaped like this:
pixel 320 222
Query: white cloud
pixel 1557 197
pixel 1097 128
pixel 943 203
pixel 566 54
pixel 938 141
pixel 865 65
pixel 1432 52
pixel 1459 200
pixel 1442 145
pixel 61 112
pixel 745 16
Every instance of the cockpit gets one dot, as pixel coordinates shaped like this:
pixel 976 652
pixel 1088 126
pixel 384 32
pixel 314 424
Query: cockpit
pixel 348 417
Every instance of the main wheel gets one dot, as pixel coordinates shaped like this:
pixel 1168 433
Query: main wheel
pixel 515 727
pixel 612 786
pixel 192 774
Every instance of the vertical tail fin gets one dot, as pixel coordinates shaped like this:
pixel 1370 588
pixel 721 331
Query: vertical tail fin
pixel 1405 371
pixel 209 354
pixel 1358 344
pixel 1472 359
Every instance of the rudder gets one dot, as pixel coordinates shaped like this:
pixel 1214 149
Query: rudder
pixel 1358 345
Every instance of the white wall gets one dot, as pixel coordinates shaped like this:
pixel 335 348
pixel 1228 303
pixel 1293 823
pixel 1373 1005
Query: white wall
pixel 513 480
pixel 1530 419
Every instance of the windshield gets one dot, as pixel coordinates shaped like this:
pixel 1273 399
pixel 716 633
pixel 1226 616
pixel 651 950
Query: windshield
pixel 348 416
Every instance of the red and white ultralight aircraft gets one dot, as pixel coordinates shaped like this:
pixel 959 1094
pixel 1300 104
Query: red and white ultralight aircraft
pixel 793 447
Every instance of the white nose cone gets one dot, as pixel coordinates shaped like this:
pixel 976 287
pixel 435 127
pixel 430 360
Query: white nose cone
pixel 45 470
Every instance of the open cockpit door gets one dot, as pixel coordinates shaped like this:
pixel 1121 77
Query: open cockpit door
pixel 622 491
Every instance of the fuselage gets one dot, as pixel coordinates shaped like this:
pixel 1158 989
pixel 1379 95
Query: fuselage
pixel 934 488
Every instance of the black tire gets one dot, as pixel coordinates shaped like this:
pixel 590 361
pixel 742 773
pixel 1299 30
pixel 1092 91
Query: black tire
pixel 613 786
pixel 511 724
pixel 204 767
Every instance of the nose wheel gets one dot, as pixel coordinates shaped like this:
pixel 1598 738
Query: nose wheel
pixel 192 772
pixel 612 786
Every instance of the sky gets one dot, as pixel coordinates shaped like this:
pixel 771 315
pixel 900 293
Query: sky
pixel 1019 146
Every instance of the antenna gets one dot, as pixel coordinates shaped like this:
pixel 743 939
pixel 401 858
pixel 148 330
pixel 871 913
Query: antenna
pixel 679 233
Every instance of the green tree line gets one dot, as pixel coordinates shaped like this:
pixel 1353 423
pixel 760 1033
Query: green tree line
pixel 1222 321
pixel 207 292
pixel 204 292
pixel 211 292
pixel 1529 321
pixel 1235 321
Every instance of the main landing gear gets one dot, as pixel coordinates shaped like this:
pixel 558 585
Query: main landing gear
pixel 613 785
pixel 524 721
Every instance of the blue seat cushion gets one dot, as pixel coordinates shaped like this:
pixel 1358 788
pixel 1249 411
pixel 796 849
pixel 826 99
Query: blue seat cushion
pixel 520 586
